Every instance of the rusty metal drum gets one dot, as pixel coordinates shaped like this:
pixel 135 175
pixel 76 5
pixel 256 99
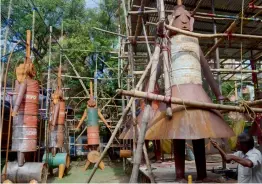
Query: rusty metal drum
pixel 61 115
pixel 60 136
pixel 29 171
pixel 56 136
pixel 93 135
pixel 24 137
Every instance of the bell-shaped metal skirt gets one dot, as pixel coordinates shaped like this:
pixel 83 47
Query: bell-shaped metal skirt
pixel 189 123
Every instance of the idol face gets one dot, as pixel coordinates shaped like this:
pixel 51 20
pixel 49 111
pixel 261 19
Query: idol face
pixel 181 18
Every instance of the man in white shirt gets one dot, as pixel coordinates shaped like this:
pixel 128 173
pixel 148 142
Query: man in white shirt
pixel 248 157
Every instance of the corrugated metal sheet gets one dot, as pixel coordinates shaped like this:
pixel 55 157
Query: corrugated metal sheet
pixel 231 47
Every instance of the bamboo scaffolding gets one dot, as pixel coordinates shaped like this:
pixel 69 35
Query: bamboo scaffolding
pixel 201 105
pixel 209 36
pixel 139 21
pixel 126 110
pixel 152 81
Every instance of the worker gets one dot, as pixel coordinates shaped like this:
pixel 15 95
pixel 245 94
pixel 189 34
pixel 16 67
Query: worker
pixel 248 157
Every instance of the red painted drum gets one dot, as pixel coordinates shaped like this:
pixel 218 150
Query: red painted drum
pixel 61 115
pixel 93 135
pixel 29 103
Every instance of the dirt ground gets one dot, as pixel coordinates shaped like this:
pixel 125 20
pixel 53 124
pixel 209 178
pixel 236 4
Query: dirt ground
pixel 113 173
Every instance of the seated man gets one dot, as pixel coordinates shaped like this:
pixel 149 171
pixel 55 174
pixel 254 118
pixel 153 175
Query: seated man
pixel 248 157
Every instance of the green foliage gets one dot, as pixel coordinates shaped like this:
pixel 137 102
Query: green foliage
pixel 77 22
pixel 227 88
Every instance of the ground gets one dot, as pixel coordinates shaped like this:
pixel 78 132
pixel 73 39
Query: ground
pixel 113 173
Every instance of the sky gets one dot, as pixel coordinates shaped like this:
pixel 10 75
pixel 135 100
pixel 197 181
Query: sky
pixel 92 3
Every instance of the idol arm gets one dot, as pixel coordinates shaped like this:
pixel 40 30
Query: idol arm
pixel 20 96
pixel 84 116
pixel 209 77
pixel 56 112
pixel 103 119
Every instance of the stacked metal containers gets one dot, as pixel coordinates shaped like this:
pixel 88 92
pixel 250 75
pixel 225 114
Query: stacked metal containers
pixel 24 137
pixel 57 125
pixel 61 125
pixel 92 127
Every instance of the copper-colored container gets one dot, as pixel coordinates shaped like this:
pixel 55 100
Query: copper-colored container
pixel 29 103
pixel 93 135
pixel 60 136
pixel 61 115
pixel 125 153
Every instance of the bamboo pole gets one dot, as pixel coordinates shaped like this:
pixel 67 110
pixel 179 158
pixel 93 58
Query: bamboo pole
pixel 197 6
pixel 217 71
pixel 211 36
pixel 48 94
pixel 217 66
pixel 119 54
pixel 80 80
pixel 139 21
pixel 113 33
pixel 201 15
pixel 4 92
pixel 88 78
pixel 2 66
pixel 179 101
pixel 33 35
pixel 8 139
pixel 235 71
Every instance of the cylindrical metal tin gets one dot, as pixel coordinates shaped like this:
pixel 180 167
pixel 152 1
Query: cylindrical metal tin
pixel 24 138
pixel 125 153
pixel 92 119
pixel 29 171
pixel 185 60
pixel 56 136
pixel 59 158
pixel 29 103
pixel 53 138
pixel 61 115
pixel 93 135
